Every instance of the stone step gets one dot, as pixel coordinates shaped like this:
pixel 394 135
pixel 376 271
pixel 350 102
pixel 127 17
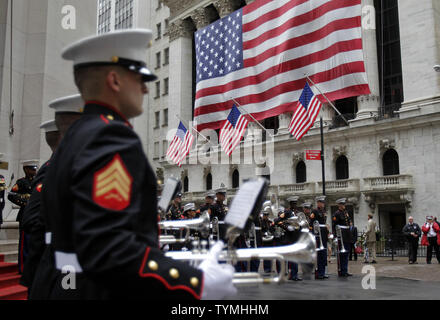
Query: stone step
pixel 8 245
pixel 9 256
pixel 9 231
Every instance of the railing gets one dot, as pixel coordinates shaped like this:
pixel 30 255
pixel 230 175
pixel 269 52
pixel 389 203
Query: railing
pixel 388 182
pixel 349 185
pixel 298 188
pixel 392 245
pixel 389 111
pixel 339 122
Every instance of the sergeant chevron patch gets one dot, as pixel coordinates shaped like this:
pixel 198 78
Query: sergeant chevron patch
pixel 112 186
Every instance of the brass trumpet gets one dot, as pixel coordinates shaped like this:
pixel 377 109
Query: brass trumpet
pixel 302 252
pixel 200 224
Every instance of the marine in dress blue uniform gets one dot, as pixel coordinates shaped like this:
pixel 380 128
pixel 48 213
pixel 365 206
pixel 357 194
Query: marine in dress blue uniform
pixel 342 218
pixel 19 195
pixel 101 193
pixel 319 214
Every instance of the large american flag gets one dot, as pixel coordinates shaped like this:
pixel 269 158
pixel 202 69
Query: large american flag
pixel 305 113
pixel 233 130
pixel 180 146
pixel 259 56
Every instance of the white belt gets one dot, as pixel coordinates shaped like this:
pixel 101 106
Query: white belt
pixel 67 262
pixel 48 238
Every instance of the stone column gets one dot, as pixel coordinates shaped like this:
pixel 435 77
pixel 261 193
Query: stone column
pixel 420 47
pixel 284 122
pixel 224 7
pixel 368 106
pixel 180 91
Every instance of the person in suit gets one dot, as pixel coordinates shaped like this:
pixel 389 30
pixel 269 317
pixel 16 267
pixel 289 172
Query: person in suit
pixel 354 236
pixel 412 232
pixel 371 238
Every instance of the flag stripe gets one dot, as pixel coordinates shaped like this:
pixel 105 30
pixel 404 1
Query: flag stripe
pixel 178 148
pixel 260 53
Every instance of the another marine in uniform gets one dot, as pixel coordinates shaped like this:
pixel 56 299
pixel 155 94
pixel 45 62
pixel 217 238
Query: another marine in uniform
pixel 67 109
pixel 19 195
pixel 30 219
pixel 319 214
pixel 342 218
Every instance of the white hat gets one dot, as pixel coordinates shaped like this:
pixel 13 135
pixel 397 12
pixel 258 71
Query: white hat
pixel 49 126
pixel 189 206
pixel 69 104
pixel 30 163
pixel 127 48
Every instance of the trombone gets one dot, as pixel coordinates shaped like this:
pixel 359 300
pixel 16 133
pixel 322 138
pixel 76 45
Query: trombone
pixel 302 252
pixel 317 231
pixel 339 235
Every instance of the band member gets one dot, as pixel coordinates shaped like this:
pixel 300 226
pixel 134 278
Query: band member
pixel 342 218
pixel 209 202
pixel 176 211
pixel 319 214
pixel 307 209
pixel 293 209
pixel 101 195
pixel 267 230
pixel 219 210
pixel 32 210
pixel 67 111
pixel 3 188
pixel 19 195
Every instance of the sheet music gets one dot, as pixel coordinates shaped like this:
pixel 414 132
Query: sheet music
pixel 167 193
pixel 243 203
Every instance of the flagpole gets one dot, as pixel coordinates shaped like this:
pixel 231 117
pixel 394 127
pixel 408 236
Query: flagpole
pixel 187 124
pixel 314 84
pixel 241 107
pixel 322 157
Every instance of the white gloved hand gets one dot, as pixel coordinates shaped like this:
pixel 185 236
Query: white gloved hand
pixel 217 277
pixel 290 228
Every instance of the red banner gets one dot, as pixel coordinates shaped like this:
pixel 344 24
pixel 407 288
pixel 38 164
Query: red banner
pixel 313 154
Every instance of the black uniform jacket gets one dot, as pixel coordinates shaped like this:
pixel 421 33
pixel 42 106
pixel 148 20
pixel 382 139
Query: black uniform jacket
pixel 20 194
pixel 342 218
pixel 101 204
pixel 321 217
pixel 33 226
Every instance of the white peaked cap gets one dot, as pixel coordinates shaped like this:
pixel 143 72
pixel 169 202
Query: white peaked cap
pixel 127 48
pixel 30 163
pixel 49 126
pixel 71 104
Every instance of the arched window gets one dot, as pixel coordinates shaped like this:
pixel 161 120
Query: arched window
pixel 208 182
pixel 185 184
pixel 342 168
pixel 390 162
pixel 301 174
pixel 235 179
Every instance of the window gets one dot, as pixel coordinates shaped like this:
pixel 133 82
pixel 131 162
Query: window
pixel 165 86
pixel 158 60
pixel 157 119
pixel 271 124
pixel 165 118
pixel 156 150
pixel 301 175
pixel 159 30
pixel 157 90
pixel 167 25
pixel 185 184
pixel 390 162
pixel 389 55
pixel 166 54
pixel 209 182
pixel 342 168
pixel 235 179
pixel 165 148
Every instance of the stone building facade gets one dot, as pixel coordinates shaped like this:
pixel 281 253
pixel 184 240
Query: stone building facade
pixel 40 29
pixel 384 161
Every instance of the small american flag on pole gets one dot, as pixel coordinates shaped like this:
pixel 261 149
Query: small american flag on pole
pixel 233 130
pixel 180 146
pixel 305 114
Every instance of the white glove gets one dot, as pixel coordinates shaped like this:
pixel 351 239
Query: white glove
pixel 217 277
pixel 290 228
